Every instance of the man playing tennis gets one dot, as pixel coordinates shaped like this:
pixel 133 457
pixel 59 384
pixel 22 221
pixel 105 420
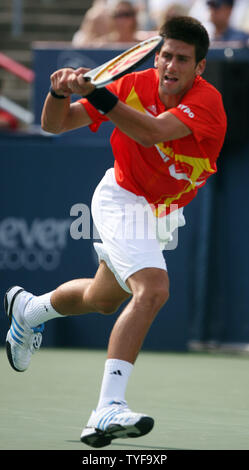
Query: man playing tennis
pixel 170 127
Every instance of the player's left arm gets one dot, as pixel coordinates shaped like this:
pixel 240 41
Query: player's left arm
pixel 145 129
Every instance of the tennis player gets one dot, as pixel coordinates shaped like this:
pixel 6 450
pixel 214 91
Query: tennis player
pixel 170 125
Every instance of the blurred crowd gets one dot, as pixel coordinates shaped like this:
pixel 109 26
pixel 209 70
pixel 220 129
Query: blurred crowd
pixel 127 22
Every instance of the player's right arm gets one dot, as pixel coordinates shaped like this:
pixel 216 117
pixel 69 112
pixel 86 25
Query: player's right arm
pixel 60 115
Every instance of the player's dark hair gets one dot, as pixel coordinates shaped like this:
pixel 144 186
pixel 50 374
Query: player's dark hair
pixel 189 30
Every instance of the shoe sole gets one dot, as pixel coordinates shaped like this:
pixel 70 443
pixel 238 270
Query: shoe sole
pixel 8 310
pixel 100 438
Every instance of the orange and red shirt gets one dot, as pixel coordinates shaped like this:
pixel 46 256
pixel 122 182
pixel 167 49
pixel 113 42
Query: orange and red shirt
pixel 169 172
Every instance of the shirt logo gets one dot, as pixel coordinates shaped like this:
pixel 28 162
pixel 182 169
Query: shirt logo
pixel 186 110
pixel 152 108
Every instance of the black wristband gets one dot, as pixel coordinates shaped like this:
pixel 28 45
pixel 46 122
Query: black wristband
pixel 59 97
pixel 102 99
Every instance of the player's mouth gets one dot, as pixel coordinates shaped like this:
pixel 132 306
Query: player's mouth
pixel 169 79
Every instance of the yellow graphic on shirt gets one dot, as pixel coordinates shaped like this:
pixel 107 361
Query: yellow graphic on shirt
pixel 198 165
pixel 134 101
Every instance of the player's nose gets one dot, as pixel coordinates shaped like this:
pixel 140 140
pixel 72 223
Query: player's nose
pixel 171 65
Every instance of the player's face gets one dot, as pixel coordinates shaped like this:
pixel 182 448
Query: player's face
pixel 177 68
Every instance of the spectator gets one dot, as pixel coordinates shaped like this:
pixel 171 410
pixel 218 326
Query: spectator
pixel 157 9
pixel 239 18
pixel 108 22
pixel 174 9
pixel 94 25
pixel 139 5
pixel 220 13
pixel 123 24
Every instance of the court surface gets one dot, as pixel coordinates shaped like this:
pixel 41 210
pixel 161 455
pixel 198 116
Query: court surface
pixel 198 401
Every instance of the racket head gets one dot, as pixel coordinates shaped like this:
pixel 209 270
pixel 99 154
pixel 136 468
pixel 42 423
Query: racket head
pixel 124 63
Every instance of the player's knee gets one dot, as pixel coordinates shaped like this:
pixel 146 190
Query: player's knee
pixel 159 295
pixel 154 296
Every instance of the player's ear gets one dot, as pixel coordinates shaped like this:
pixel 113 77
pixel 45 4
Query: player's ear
pixel 156 60
pixel 200 67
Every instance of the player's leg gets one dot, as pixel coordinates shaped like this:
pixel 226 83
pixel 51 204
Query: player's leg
pixel 121 219
pixel 150 288
pixel 101 294
pixel 27 313
pixel 112 417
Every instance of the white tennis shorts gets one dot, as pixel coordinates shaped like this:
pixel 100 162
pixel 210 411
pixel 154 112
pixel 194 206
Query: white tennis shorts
pixel 129 231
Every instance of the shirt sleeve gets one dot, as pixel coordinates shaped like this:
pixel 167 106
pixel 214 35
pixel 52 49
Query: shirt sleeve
pixel 96 117
pixel 202 112
pixel 120 88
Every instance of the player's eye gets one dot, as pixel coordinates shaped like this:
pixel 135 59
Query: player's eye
pixel 167 56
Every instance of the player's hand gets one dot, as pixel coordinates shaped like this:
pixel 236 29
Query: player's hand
pixel 59 81
pixel 77 83
pixel 68 81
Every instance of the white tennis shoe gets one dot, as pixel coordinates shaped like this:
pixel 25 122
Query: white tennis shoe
pixel 114 421
pixel 21 341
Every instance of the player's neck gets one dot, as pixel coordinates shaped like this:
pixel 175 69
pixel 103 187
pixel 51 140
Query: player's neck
pixel 172 100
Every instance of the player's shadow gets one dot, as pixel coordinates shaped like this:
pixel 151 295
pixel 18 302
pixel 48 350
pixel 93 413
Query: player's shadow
pixel 146 447
pixel 134 445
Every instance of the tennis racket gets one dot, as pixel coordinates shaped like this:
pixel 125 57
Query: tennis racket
pixel 124 63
